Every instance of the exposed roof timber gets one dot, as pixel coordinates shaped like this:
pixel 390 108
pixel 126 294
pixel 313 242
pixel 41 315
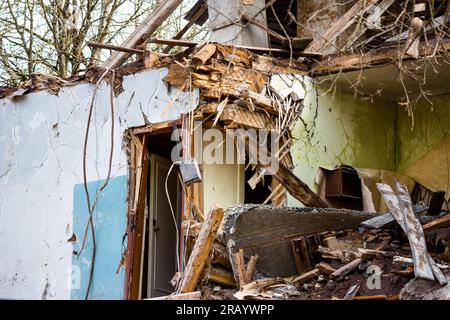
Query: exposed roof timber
pixel 325 43
pixel 144 31
pixel 347 62
pixel 198 15
pixel 196 8
pixel 277 51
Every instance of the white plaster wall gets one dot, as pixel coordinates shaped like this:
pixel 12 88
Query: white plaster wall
pixel 223 185
pixel 41 143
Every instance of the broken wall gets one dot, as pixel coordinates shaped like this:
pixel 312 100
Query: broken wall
pixel 43 211
pixel 423 147
pixel 337 128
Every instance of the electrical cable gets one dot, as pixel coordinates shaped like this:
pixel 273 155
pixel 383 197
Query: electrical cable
pixel 173 214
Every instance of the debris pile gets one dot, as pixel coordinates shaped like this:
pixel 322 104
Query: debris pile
pixel 325 253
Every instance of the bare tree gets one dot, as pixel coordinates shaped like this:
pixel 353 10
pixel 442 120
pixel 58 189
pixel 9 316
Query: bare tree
pixel 50 36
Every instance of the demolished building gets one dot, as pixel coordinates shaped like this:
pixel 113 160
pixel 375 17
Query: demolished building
pixel 93 203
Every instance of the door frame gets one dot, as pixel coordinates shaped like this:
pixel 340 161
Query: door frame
pixel 137 153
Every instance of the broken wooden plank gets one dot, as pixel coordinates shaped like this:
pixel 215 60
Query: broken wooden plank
pixel 219 255
pixel 297 188
pixel 413 223
pixel 386 219
pixel 203 55
pixel 413 43
pixel 413 229
pixel 399 259
pixel 370 21
pixel 259 99
pixel 162 11
pixel 371 253
pixel 186 43
pixel 199 13
pixel 297 43
pixel 379 221
pixel 325 43
pixel 347 62
pixel 261 284
pixel 342 255
pixel 196 295
pixel 441 222
pixel 374 297
pixel 325 268
pixel 251 268
pixel 346 269
pixel 201 250
pixel 220 276
pixel 246 118
pixel 239 257
pixel 306 276
pixel 247 19
pixel 398 206
pixel 301 255
pixel 116 48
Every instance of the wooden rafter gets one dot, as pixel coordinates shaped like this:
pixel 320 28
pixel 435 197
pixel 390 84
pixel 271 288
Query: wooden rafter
pixel 325 45
pixel 163 10
pixel 197 15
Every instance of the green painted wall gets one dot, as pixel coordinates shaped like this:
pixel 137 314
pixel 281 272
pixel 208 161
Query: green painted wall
pixel 431 126
pixel 340 129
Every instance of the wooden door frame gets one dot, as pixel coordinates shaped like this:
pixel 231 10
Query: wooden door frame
pixel 138 159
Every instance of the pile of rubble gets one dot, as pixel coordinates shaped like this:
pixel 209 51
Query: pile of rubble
pixel 259 252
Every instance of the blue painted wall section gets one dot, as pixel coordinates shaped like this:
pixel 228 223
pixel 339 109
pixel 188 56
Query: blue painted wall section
pixel 109 225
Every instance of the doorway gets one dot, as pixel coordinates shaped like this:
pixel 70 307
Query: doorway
pixel 151 258
pixel 162 225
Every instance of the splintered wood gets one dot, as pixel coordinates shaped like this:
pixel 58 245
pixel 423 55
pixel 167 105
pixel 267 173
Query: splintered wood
pixel 400 206
pixel 201 250
pixel 234 87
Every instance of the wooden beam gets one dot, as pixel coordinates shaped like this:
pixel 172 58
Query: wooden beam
pixel 375 297
pixel 296 187
pixel 116 48
pixel 346 269
pixel 371 20
pixel 239 257
pixel 246 118
pixel 251 267
pixel 247 19
pixel 306 276
pixel 284 52
pixel 163 10
pixel 400 205
pixel 325 268
pixel 199 13
pixel 136 216
pixel 174 42
pixel 357 61
pixel 201 250
pixel 441 222
pixel 221 276
pixel 196 295
pixel 324 44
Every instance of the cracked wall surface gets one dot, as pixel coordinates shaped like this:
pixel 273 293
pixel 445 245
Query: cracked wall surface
pixel 423 147
pixel 41 150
